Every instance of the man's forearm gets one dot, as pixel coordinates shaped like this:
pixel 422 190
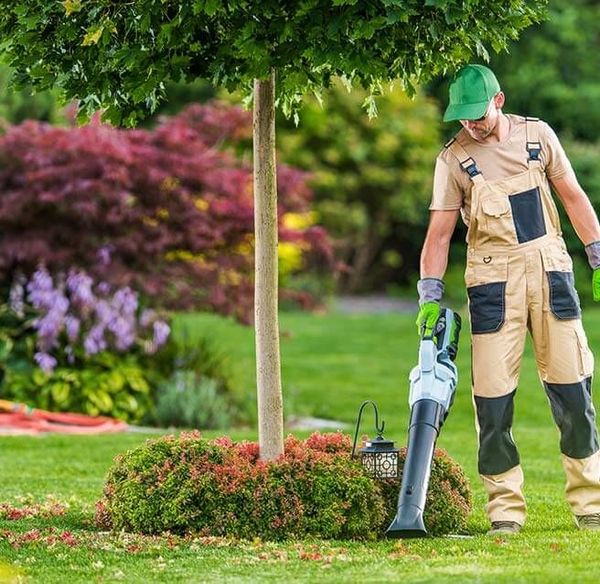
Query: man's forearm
pixel 434 258
pixel 578 207
pixel 584 220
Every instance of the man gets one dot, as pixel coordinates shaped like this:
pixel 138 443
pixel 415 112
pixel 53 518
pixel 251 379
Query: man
pixel 519 277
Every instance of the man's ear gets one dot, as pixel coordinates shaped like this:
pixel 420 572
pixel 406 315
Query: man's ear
pixel 499 100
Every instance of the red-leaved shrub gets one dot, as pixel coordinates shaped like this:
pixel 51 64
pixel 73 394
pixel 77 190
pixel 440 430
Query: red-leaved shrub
pixel 168 211
pixel 187 484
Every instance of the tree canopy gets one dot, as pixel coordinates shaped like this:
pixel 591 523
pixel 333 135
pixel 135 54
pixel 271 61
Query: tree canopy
pixel 118 55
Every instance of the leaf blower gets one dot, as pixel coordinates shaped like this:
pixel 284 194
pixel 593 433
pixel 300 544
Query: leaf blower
pixel 432 387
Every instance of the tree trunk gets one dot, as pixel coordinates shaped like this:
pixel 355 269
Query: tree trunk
pixel 363 258
pixel 268 368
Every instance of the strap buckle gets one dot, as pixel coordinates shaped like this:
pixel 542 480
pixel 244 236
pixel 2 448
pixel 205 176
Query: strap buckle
pixel 534 149
pixel 470 167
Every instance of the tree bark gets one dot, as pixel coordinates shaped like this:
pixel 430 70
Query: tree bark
pixel 268 367
pixel 364 258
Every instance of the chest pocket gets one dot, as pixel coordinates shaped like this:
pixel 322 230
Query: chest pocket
pixel 495 207
pixel 497 220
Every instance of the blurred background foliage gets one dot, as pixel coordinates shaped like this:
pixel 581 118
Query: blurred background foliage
pixel 372 178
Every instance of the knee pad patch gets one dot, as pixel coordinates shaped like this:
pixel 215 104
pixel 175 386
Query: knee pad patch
pixel 574 414
pixel 497 449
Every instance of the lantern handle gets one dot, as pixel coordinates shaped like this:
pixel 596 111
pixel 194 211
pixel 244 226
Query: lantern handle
pixel 378 428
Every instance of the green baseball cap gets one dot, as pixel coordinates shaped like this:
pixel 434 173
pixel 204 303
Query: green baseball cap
pixel 470 93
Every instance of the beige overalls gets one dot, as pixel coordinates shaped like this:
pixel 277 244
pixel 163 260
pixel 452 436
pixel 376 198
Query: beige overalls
pixel 519 277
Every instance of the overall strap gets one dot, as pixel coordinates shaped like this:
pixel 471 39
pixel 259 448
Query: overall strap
pixel 466 162
pixel 533 144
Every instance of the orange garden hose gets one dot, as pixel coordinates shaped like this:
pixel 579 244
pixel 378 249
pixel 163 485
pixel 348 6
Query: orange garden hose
pixel 16 418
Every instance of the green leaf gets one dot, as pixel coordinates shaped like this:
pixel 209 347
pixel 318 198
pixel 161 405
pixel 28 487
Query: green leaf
pixel 371 106
pixel 60 392
pixel 115 381
pixel 482 51
pixel 39 377
pixel 71 6
pixel 208 7
pixel 93 35
pixel 137 382
pixel 126 402
pixel 102 401
pixel 6 346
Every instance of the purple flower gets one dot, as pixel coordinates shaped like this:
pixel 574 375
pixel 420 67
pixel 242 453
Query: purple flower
pixel 72 325
pixel 104 254
pixel 94 341
pixel 104 312
pixel 125 301
pixel 46 362
pixel 69 354
pixel 147 317
pixel 50 325
pixel 103 288
pixel 79 285
pixel 161 333
pixel 17 296
pixel 41 289
pixel 123 330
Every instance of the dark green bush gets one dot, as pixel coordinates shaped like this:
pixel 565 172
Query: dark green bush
pixel 188 484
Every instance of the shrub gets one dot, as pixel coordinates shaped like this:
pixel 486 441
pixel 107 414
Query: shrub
pixel 188 484
pixel 167 211
pixel 189 400
pixel 197 389
pixel 371 178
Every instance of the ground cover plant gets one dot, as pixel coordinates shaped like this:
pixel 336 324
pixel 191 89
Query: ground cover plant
pixel 54 540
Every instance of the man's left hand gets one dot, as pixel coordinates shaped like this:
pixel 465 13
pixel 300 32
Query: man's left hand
pixel 596 285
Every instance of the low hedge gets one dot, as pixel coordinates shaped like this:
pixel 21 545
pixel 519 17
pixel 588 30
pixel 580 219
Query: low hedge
pixel 187 484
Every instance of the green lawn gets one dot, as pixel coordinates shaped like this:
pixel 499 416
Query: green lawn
pixel 330 364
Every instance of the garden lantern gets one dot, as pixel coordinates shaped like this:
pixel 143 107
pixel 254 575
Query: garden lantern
pixel 379 457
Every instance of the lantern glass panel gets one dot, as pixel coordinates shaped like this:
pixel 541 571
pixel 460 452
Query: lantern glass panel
pixel 387 465
pixel 368 462
pixel 381 465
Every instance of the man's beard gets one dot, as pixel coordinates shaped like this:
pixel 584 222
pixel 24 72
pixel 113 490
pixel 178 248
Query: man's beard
pixel 484 132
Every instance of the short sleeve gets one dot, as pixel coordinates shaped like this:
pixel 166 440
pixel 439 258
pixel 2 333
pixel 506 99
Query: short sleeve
pixel 447 191
pixel 557 163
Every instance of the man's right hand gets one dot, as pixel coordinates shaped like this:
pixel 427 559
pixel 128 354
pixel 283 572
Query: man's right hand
pixel 430 293
pixel 429 312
